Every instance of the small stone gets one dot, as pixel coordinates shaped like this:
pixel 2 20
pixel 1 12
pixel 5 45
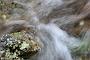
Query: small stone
pixel 81 23
pixel 4 17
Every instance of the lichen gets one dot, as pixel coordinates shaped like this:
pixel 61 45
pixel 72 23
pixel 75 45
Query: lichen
pixel 18 46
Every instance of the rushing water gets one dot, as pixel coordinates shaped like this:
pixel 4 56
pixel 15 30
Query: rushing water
pixel 56 43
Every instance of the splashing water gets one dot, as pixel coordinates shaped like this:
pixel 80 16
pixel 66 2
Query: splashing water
pixel 55 43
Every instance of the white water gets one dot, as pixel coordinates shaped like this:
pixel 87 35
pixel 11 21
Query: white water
pixel 56 42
